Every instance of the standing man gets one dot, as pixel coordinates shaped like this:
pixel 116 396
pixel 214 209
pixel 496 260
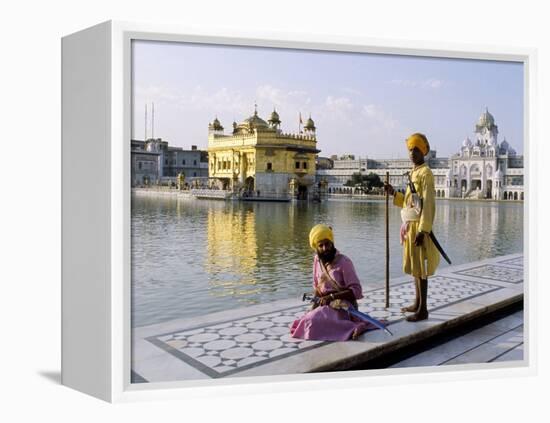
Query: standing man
pixel 420 255
pixel 338 288
pixel 181 180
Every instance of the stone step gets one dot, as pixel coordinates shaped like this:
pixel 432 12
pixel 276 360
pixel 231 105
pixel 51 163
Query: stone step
pixel 484 344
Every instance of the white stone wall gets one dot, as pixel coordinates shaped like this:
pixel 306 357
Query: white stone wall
pixel 272 184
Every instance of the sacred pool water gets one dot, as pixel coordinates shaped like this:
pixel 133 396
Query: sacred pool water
pixel 194 257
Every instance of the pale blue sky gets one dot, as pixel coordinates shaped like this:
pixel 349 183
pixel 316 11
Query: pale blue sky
pixel 362 104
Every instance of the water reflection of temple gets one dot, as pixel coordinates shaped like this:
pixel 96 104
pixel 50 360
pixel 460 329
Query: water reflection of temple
pixel 231 251
pixel 256 247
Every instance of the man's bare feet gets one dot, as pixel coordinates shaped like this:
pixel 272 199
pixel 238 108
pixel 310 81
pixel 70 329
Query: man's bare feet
pixel 417 317
pixel 356 333
pixel 410 309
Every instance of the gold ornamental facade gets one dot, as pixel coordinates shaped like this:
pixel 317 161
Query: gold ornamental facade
pixel 258 159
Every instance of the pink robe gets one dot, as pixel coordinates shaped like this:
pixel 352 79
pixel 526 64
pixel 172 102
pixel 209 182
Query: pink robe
pixel 326 323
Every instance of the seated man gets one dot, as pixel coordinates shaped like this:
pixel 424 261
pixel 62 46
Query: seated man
pixel 338 288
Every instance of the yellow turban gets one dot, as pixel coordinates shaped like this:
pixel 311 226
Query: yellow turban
pixel 318 233
pixel 419 141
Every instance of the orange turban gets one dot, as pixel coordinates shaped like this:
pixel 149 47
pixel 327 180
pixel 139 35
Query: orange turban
pixel 419 141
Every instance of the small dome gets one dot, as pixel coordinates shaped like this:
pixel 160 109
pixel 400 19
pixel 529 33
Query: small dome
pixel 248 125
pixel 216 124
pixel 256 122
pixel 504 145
pixel 274 119
pixel 467 142
pixel 310 124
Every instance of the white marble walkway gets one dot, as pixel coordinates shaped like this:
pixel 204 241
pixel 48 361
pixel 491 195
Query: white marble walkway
pixel 255 340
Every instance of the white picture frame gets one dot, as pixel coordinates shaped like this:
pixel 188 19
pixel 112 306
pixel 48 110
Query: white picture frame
pixel 96 129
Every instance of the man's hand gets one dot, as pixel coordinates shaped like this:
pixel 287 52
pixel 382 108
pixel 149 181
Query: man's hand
pixel 325 300
pixel 388 188
pixel 419 239
pixel 346 294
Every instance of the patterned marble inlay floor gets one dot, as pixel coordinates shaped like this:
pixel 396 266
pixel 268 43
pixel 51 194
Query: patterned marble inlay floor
pixel 442 291
pixel 518 261
pixel 226 348
pixel 494 272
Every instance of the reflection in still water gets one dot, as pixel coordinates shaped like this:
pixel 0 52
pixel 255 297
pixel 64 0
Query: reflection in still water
pixel 231 257
pixel 191 258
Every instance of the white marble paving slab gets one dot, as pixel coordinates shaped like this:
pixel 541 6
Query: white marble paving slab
pixel 483 354
pixel 489 333
pixel 255 340
pixel 517 354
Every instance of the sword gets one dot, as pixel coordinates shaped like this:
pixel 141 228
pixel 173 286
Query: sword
pixel 439 248
pixel 353 312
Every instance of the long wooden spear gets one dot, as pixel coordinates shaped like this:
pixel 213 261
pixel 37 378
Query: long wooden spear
pixel 387 244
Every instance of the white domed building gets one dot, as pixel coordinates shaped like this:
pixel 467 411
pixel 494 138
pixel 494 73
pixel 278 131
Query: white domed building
pixel 485 168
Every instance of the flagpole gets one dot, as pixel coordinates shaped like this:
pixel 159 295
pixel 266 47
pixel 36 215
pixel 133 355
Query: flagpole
pixel 387 244
pixel 153 120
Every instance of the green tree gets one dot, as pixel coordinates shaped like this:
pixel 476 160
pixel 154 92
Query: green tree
pixel 365 182
pixel 356 179
pixel 373 181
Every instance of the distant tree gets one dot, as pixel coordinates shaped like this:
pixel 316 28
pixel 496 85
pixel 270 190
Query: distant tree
pixel 365 182
pixel 356 179
pixel 373 181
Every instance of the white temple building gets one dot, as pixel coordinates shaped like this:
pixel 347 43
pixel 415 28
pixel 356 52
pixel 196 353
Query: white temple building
pixel 485 168
pixel 482 169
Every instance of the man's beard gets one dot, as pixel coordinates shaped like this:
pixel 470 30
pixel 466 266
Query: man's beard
pixel 327 256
